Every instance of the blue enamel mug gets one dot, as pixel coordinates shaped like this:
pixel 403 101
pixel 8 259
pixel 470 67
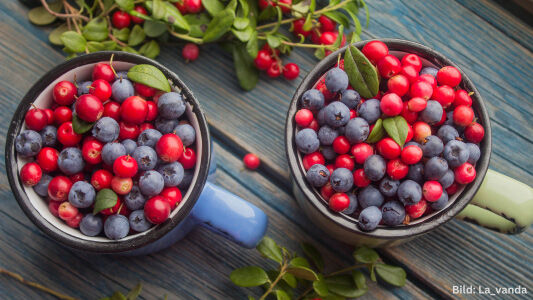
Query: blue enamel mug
pixel 203 204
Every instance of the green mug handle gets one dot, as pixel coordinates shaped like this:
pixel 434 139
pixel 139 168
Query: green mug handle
pixel 502 204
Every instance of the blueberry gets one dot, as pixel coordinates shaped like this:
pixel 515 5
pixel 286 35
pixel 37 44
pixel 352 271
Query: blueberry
pixel 375 167
pixel 81 195
pixel 447 179
pixel 165 125
pixel 337 114
pixel 473 153
pixel 328 152
pixel 49 136
pixel 435 168
pixel 172 173
pixel 336 80
pixel 312 99
pixel 388 187
pixel 134 199
pixel 369 110
pixel 122 89
pixel 146 158
pixel 449 119
pixel 129 145
pixel 393 213
pixel 307 140
pixel 351 98
pixel 352 206
pixel 447 133
pixel 370 196
pixel 321 116
pixel 112 151
pixel 327 134
pixel 70 161
pixel 28 143
pixel 341 180
pixel 187 180
pixel 432 114
pixel 369 218
pixel 416 173
pixel 122 74
pixel 409 192
pixel 41 188
pixel 186 133
pixel 341 130
pixel 357 130
pixel 91 225
pixel 432 146
pixel 83 88
pixel 106 130
pixel 456 153
pixel 429 70
pixel 149 138
pixel 441 202
pixel 171 105
pixel 138 221
pixel 116 227
pixel 412 143
pixel 151 183
pixel 317 175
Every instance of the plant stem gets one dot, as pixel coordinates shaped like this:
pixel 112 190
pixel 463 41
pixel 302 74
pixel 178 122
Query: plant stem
pixel 302 45
pixel 273 284
pixel 346 270
pixel 59 15
pixel 35 285
pixel 305 293
pixel 186 37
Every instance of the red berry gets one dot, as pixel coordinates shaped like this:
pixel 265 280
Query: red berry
pixel 169 147
pixel 101 179
pixel 388 148
pixel 421 89
pixel 112 210
pixel 411 154
pixel 321 86
pixel 47 159
pixel 77 177
pixel 190 52
pixel 416 210
pixel 67 211
pixel 331 167
pixel 410 73
pixel 412 60
pixel 312 159
pixel 152 111
pixel 134 110
pixel 339 202
pixel 291 71
pixel 360 179
pixel 449 76
pixel 326 24
pixel 408 115
pixel 353 113
pixel 398 84
pixel 432 190
pixel 361 152
pixel 144 90
pixel 315 38
pixel 141 10
pixel 391 104
pixel 389 66
pixel 303 117
pixel 53 207
pixel 103 71
pixel 112 110
pixel 452 189
pixel 31 174
pixel 463 115
pixel 410 133
pixel 122 185
pixel 341 145
pixel 428 79
pixel 62 114
pixel 181 7
pixel 344 161
pixel 417 104
pixel 59 187
pixel 49 115
pixel 172 195
pixel 313 125
pixel 145 126
pixel 92 151
pixel 251 161
pixel 66 135
pixel 396 169
pixel 328 37
pixel 188 159
pixel 462 98
pixel 64 92
pixel 263 4
pixel 274 70
pixel 444 94
pixel 327 191
pixel 263 60
pixel 36 119
pixel 297 28
pixel 193 6
pixel 121 19
pixel 474 133
pixel 421 131
pixel 75 221
pixel 101 89
pixel 89 108
pixel 465 173
pixel 375 50
pixel 125 166
pixel 157 209
pixel 128 131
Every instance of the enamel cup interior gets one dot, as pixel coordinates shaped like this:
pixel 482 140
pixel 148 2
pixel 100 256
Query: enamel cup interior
pixel 45 100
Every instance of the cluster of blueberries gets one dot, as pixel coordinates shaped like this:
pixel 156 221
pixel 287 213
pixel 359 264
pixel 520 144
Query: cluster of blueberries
pixel 379 181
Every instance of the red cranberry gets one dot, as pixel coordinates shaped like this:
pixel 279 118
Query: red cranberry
pixel 145 126
pixel 64 92
pixel 190 52
pixel 410 73
pixel 36 119
pixel 53 207
pixel 353 113
pixel 449 76
pixel 128 131
pixel 327 191
pixel 152 111
pixel 321 86
pixel 312 159
pixel 391 104
pixel 313 125
pixel 361 152
pixel 75 221
pixel 114 209
pixel 31 174
pixel 326 24
pixel 388 148
pixel 77 177
pixel 188 159
pixel 121 19
pixel 169 147
pixel 103 71
pixel 172 195
pixel 410 133
pixel 421 131
pixel 303 117
pixel 47 159
pixel 417 104
pixel 465 173
pixel 134 110
pixel 339 202
pixel 428 79
pixel 474 133
pixel 389 66
pixel 432 190
pixel 398 84
pixel 92 151
pixel 67 211
pixel 263 60
pixel 101 179
pixel 66 135
pixel 112 110
pixel 180 5
pixel 411 154
pixel 452 189
pixel 344 161
pixel 417 210
pixel 157 209
pixel 396 169
pixel 408 115
pixel 341 145
pixel 463 115
pixel 360 179
pixel 412 60
pixel 375 50
pixel 120 185
pixel 144 90
pixel 62 114
pixel 89 108
pixel 125 166
pixel 421 89
pixel 291 71
pixel 251 161
pixel 193 6
pixel 101 89
pixel 49 115
pixel 297 28
pixel 328 37
pixel 274 70
pixel 331 167
pixel 59 187
pixel 444 94
pixel 462 97
pixel 141 10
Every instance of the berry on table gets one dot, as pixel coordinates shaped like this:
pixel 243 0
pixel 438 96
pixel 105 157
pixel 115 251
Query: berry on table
pixel 412 60
pixel 421 89
pixel 297 28
pixel 415 211
pixel 410 73
pixel 411 154
pixel 91 225
pixel 444 94
pixel 388 148
pixel 134 110
pixel 101 179
pixel 169 147
pixel 291 71
pixel 58 188
pixel 102 89
pixel 170 106
pixel 361 152
pixel 106 130
pixel 190 52
pixel 341 180
pixel 370 196
pixel 417 104
pixel 396 169
pixel 67 211
pixel 82 194
pixel 326 24
pixel 62 114
pixel 70 161
pixel 188 158
pixel 369 218
pixel 47 159
pixel 151 183
pixel 462 97
pixel 311 159
pixel 251 161
pixel 328 37
pixel 144 90
pixel 116 227
pixel 125 166
pixel 312 99
pixel 303 117
pixel 28 143
pixel 263 60
pixel 398 84
pixel 375 167
pixel 274 70
pixel 344 161
pixel 120 90
pixel 409 192
pixel 121 185
pixel 388 186
pixel 193 6
pixel 393 213
pixel 360 179
pixel 391 104
pixel 89 108
pixel 317 175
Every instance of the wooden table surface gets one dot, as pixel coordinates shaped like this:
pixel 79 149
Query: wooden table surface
pixel 491 46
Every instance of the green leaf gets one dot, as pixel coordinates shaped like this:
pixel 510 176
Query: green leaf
pixel 121 34
pixel 220 24
pixel 391 274
pixel 153 28
pixel 232 5
pixel 150 76
pixel 338 17
pixel 290 280
pixel 117 296
pixel 105 198
pixel 359 279
pixel 281 295
pixel 249 276
pixel 241 23
pixel 344 285
pixel 167 12
pixel 267 13
pixel 40 16
pixel 80 126
pixel 150 49
pixel 55 35
pixel 213 7
pixel 303 273
pixel 73 41
pixel 269 249
pixel 109 45
pixel 252 47
pixel 320 53
pixel 361 73
pixel 365 255
pixel 300 262
pixel 95 46
pixel 137 35
pixel 314 255
pixel 243 35
pixel 96 30
pixel 247 73
pixel 273 41
pixel 396 128
pixel 373 272
pixel 312 6
pixel 320 286
pixel 125 5
pixel 339 38
pixel 251 298
pixel 377 132
pixel 135 292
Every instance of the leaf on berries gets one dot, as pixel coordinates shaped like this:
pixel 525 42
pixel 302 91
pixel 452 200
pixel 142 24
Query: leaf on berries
pixel 273 41
pixel 343 285
pixel 320 53
pixel 135 292
pixel 105 198
pixel 150 49
pixel 149 76
pixel 80 126
pixel 40 16
pixel 220 24
pixel 122 34
pixel 391 274
pixel 96 30
pixel 269 249
pixel 247 73
pixel 73 41
pixel 377 133
pixel 397 129
pixel 125 5
pixel 249 276
pixel 365 255
pixel 362 74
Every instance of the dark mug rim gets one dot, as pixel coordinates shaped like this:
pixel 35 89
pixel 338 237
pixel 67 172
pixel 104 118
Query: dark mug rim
pixel 437 218
pixel 108 246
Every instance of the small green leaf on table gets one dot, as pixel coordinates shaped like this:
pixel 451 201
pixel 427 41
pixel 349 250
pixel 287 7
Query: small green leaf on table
pixel 359 279
pixel 269 249
pixel 249 276
pixel 365 255
pixel 343 285
pixel 362 74
pixel 136 36
pixel 105 198
pixel 96 30
pixel 220 24
pixel 320 286
pixel 40 16
pixel 247 73
pixel 121 34
pixel 311 252
pixel 117 296
pixel 95 46
pixel 80 126
pixel 73 41
pixel 125 5
pixel 153 28
pixel 377 133
pixel 300 268
pixel 135 292
pixel 397 129
pixel 149 76
pixel 150 49
pixel 281 295
pixel 213 7
pixel 391 274
pixel 290 280
pixel 55 35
